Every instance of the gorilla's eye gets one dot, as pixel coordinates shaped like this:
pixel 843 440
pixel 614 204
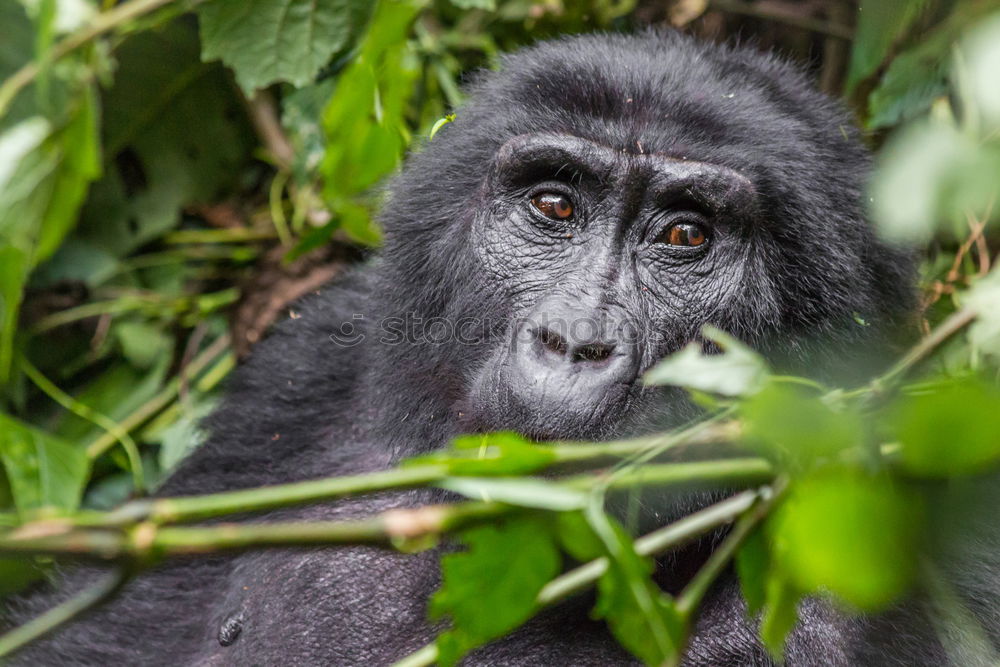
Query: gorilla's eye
pixel 553 205
pixel 685 234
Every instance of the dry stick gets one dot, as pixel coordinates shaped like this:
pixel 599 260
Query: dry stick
pixel 578 579
pixel 102 23
pixel 62 613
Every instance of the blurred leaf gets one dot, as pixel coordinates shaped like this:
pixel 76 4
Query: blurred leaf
pixel 142 343
pixel 181 437
pixel 930 172
pixel 17 47
pixel 43 470
pixel 175 134
pixel 736 372
pixel 880 24
pixel 847 533
pixel 785 421
pixel 981 55
pixel 266 41
pixel 39 204
pixel 984 333
pixel 69 14
pixel 951 431
pixel 490 588
pixel 919 74
pixel 533 493
pixel 17 573
pixel 488 5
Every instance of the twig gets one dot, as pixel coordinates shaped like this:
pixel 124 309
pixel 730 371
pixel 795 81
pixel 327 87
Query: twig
pixel 263 112
pixel 952 325
pixel 804 22
pixel 62 613
pixel 101 24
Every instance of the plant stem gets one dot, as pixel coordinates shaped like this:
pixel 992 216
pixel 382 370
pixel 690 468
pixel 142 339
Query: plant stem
pixel 102 23
pixel 194 508
pixel 952 325
pixel 62 613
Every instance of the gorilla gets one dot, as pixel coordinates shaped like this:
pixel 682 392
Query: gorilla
pixel 595 203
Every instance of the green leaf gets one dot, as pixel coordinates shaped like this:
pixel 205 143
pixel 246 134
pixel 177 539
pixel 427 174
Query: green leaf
pixel 794 426
pixel 850 534
pixel 879 25
pixel 490 588
pixel 266 41
pixel 641 617
pixel 43 470
pixel 738 371
pixel 142 343
pixel 39 203
pixel 175 134
pixel 950 431
pixel 523 492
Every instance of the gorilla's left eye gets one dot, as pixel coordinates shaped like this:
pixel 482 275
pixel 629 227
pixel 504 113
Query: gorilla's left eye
pixel 553 205
pixel 683 234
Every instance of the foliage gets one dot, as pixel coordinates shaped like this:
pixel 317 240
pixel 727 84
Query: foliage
pixel 156 156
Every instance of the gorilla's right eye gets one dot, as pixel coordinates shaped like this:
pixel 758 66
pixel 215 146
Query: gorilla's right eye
pixel 553 205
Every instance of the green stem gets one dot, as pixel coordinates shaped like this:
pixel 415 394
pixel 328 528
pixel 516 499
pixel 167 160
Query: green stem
pixel 111 428
pixel 62 613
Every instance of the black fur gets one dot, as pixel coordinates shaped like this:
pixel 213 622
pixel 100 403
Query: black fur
pixel 805 268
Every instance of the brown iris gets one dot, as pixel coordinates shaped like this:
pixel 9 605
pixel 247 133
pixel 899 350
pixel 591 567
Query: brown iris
pixel 684 234
pixel 553 205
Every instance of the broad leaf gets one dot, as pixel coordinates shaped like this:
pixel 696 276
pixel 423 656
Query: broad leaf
pixel 738 371
pixel 850 534
pixel 490 588
pixel 266 41
pixel 951 431
pixel 43 470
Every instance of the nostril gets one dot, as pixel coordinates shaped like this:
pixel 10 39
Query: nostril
pixel 594 353
pixel 551 341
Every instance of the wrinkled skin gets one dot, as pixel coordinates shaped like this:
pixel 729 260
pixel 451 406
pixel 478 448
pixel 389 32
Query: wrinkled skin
pixel 639 135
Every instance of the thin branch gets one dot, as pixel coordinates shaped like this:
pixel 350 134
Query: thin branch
pixel 952 325
pixel 101 24
pixel 773 14
pixel 62 613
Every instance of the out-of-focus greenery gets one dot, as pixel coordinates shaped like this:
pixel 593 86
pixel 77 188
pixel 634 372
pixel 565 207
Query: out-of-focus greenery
pixel 170 169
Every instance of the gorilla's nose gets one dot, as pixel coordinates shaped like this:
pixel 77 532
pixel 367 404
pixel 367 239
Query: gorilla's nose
pixel 571 370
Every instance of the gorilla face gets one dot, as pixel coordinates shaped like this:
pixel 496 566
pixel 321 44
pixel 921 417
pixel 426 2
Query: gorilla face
pixel 600 199
pixel 607 260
